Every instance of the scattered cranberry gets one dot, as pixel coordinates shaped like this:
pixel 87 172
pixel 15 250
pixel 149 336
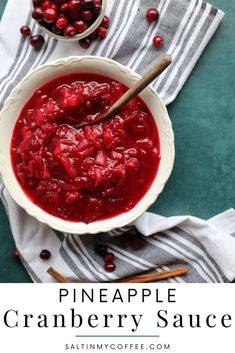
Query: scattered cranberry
pixel 75 5
pixel 37 41
pixel 64 7
pixel 109 267
pixel 37 13
pixel 101 249
pixel 54 6
pixel 97 9
pixel 80 26
pixel 45 255
pixel 25 31
pixel 105 22
pixel 15 254
pixel 46 4
pixel 102 32
pixel 109 257
pixel 87 15
pixel 50 14
pixel 85 43
pixel 152 15
pixel 70 31
pixel 158 41
pixel 62 22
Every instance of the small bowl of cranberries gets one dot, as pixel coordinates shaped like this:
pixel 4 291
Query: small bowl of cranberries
pixel 84 179
pixel 69 20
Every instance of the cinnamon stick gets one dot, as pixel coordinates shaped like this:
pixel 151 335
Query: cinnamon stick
pixel 154 276
pixel 142 278
pixel 56 275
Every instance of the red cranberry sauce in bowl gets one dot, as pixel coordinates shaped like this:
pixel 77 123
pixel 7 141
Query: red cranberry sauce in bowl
pixel 90 173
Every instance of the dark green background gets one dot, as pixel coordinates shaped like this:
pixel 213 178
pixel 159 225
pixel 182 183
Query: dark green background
pixel 203 117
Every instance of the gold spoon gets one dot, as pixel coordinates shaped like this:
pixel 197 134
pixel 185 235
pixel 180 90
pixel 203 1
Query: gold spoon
pixel 159 66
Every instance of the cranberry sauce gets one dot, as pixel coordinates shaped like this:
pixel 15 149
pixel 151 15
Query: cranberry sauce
pixel 91 173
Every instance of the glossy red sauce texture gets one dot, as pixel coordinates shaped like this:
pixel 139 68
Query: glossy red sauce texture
pixel 90 173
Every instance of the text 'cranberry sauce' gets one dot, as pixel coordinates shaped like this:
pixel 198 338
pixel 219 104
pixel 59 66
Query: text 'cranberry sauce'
pixel 90 173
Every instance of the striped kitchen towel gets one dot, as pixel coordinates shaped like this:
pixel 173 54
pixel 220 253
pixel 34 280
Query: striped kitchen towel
pixel 207 247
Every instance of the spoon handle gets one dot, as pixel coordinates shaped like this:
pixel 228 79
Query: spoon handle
pixel 140 85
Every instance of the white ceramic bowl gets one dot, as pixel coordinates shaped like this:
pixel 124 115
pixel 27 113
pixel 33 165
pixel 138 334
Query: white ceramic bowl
pixel 91 64
pixel 79 36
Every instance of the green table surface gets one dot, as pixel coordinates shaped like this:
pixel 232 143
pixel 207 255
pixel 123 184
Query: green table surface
pixel 203 117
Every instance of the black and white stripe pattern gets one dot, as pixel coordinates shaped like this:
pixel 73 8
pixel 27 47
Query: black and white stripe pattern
pixel 187 26
pixel 167 243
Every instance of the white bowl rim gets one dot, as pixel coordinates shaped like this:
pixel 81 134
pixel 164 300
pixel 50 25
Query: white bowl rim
pixel 97 226
pixel 79 36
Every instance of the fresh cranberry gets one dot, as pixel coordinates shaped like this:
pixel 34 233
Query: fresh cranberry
pixel 25 31
pixel 50 14
pixel 158 41
pixel 85 43
pixel 152 15
pixel 62 22
pixel 87 15
pixel 102 32
pixel 75 5
pixel 87 4
pixel 105 22
pixel 15 254
pixel 45 254
pixel 37 13
pixel 46 4
pixel 64 7
pixel 37 41
pixel 80 26
pixel 97 9
pixel 109 257
pixel 70 31
pixel 54 6
pixel 109 267
pixel 97 2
